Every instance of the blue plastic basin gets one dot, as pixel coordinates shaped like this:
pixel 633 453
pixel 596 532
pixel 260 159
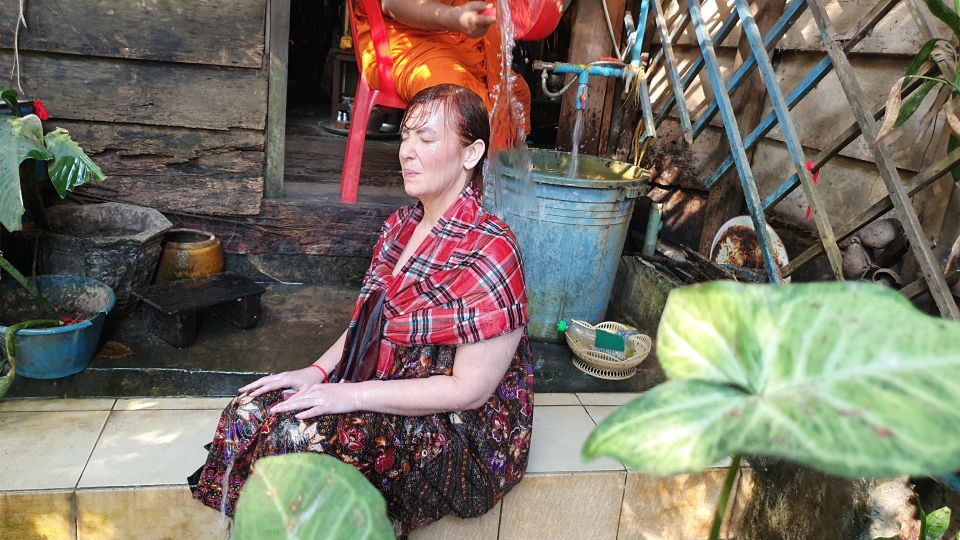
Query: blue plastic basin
pixel 572 241
pixel 51 353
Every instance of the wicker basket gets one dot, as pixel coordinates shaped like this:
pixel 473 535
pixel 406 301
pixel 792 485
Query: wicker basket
pixel 606 366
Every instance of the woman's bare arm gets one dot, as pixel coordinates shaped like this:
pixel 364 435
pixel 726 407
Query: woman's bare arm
pixel 477 370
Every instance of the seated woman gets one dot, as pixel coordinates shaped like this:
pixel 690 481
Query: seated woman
pixel 436 402
pixel 448 41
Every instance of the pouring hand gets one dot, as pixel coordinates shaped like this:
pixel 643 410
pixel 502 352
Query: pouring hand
pixel 473 18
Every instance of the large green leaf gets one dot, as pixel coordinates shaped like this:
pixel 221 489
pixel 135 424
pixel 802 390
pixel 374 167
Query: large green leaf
pixel 20 139
pixel 70 167
pixel 847 377
pixel 307 496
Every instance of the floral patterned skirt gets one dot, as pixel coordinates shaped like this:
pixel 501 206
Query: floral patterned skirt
pixel 426 467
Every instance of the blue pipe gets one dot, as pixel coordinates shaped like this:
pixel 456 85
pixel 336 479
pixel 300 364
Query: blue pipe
pixel 583 73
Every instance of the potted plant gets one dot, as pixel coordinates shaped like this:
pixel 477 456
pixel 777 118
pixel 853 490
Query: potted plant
pixel 50 343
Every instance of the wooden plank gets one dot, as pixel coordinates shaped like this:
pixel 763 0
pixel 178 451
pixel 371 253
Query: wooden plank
pixel 863 28
pixel 108 90
pixel 214 32
pixel 306 227
pixel 279 35
pixel 771 36
pixel 831 149
pixel 589 41
pixel 797 155
pixel 671 66
pixel 919 182
pixel 175 169
pixel 898 195
pixel 732 131
pixel 694 69
pixel 725 199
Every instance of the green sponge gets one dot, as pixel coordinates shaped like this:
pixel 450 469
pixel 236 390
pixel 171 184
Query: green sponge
pixel 608 341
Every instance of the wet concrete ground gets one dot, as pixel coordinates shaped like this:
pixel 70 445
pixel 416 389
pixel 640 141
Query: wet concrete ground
pixel 299 321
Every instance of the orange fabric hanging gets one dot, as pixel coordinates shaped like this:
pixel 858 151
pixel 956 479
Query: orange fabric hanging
pixel 424 58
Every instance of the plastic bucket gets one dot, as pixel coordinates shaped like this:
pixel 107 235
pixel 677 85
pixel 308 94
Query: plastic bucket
pixel 50 353
pixel 571 246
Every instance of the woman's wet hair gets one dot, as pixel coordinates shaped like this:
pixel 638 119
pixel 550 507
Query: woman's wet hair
pixel 463 110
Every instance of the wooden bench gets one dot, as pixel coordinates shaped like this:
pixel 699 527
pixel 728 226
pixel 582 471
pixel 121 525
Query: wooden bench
pixel 170 309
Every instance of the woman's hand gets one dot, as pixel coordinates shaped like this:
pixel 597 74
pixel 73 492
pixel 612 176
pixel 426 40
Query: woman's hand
pixel 471 21
pixel 319 399
pixel 297 380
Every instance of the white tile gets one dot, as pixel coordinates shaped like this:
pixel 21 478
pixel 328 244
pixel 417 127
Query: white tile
pixel 580 506
pixel 46 450
pixel 150 448
pixel 177 403
pixel 607 398
pixel 599 412
pixel 145 513
pixel 53 405
pixel 558 437
pixel 555 399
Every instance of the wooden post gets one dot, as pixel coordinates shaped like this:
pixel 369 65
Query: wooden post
pixel 278 36
pixel 589 41
pixel 726 197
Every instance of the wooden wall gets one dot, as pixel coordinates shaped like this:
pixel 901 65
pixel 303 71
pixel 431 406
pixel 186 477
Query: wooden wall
pixel 850 182
pixel 169 98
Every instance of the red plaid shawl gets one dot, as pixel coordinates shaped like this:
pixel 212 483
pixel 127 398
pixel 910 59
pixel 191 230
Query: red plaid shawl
pixel 463 284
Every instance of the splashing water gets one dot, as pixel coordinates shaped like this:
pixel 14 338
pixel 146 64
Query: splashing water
pixel 575 144
pixel 518 196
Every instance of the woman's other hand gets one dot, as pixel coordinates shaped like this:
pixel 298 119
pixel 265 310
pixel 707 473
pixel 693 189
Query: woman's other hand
pixel 471 21
pixel 297 379
pixel 319 399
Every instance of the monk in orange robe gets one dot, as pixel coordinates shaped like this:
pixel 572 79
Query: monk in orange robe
pixel 446 41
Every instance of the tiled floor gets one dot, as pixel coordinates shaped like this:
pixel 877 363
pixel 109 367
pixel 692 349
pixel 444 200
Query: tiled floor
pixel 92 466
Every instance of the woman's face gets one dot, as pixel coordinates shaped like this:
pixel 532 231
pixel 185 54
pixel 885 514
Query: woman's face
pixel 432 158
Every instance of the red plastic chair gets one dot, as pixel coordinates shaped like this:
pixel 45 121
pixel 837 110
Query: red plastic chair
pixel 366 98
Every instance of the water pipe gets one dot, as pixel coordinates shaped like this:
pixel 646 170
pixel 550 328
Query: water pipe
pixel 653 230
pixel 583 73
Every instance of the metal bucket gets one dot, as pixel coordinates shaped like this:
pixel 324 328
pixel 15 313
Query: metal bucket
pixel 571 246
pixel 50 353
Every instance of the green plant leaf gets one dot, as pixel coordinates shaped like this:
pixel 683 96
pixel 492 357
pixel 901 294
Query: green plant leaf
pixel 913 102
pixel 846 377
pixel 20 139
pixel 945 14
pixel 922 56
pixel 307 496
pixel 71 167
pixel 9 97
pixel 937 523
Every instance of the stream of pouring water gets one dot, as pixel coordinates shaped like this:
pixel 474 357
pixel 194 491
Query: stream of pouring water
pixel 575 144
pixel 518 196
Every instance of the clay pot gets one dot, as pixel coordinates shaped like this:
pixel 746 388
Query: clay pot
pixel 189 253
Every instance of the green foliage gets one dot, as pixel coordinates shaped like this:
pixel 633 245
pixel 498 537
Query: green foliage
pixel 70 166
pixel 846 377
pixel 307 496
pixel 945 14
pixel 913 102
pixel 22 138
pixel 934 524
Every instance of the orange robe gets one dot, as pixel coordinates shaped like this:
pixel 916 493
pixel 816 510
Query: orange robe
pixel 424 58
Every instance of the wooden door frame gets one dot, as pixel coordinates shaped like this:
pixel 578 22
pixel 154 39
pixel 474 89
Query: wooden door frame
pixel 277 41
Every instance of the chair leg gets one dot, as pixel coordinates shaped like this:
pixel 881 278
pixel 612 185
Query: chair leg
pixel 350 178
